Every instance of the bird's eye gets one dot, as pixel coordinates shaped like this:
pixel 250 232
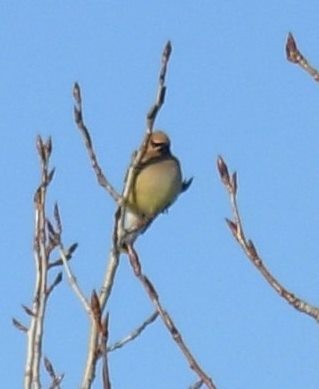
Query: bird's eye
pixel 156 144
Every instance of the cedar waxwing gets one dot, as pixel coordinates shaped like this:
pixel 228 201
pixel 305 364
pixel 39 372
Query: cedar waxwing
pixel 158 183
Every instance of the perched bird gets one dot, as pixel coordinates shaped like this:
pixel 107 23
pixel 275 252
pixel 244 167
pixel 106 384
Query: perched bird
pixel 158 183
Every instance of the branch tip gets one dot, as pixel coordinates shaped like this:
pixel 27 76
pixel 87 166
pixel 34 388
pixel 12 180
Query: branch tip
pixel 292 51
pixel 167 51
pixel 77 93
pixel 223 171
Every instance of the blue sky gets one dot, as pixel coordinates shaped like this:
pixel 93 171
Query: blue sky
pixel 230 92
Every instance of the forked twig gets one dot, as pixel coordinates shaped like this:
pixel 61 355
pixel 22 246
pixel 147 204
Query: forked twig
pixel 295 56
pixel 167 320
pixel 235 225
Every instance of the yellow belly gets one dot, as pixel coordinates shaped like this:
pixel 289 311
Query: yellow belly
pixel 156 187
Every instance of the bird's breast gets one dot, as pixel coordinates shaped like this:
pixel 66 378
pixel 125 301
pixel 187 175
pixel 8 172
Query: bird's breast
pixel 156 187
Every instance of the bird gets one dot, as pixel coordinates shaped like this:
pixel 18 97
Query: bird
pixel 157 184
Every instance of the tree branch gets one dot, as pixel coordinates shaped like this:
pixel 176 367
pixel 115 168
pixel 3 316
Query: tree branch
pixel 296 57
pixel 235 225
pixel 166 318
pixel 78 117
pixel 95 334
pixel 44 244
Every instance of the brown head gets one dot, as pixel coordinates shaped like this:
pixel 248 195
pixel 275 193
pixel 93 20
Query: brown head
pixel 158 146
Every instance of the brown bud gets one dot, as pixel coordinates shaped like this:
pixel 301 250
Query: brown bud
pixel 48 146
pixel 232 226
pixel 40 147
pixel 292 51
pixel 252 249
pixel 223 170
pixel 77 92
pixel 96 308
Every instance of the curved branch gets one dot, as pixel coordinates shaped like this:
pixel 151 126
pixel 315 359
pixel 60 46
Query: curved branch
pixel 235 225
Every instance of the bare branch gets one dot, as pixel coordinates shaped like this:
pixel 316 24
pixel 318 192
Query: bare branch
pixel 95 333
pixel 161 90
pixel 296 57
pixel 167 320
pixel 251 252
pixel 78 115
pixel 134 334
pixel 72 281
pixel 94 341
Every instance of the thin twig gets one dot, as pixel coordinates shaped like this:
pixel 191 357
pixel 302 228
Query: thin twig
pixel 167 319
pixel 161 89
pixel 235 225
pixel 78 115
pixel 134 334
pixel 73 282
pixel 296 57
